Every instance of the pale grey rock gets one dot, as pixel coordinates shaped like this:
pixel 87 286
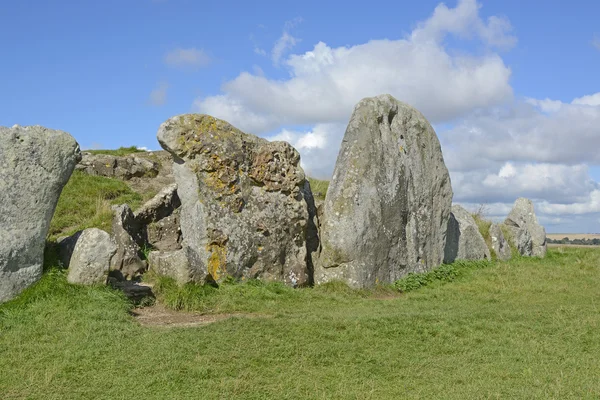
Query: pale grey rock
pixel 127 262
pixel 90 261
pixel 158 221
pixel 525 228
pixel 500 244
pixel 160 206
pixel 463 240
pixel 123 167
pixel 176 265
pixel 387 207
pixel 243 210
pixel 35 164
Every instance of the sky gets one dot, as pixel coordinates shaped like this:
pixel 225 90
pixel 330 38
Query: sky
pixel 511 87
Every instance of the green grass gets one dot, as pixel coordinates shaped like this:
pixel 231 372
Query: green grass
pixel 85 203
pixel 524 329
pixel 121 151
pixel 318 187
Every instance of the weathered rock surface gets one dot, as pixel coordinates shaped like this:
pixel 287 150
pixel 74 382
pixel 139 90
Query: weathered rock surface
pixel 35 164
pixel 387 206
pixel 500 244
pixel 127 263
pixel 158 221
pixel 528 234
pixel 90 261
pixel 243 210
pixel 123 167
pixel 463 240
pixel 175 264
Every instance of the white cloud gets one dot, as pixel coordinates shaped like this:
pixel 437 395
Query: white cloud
pixel 596 42
pixel 158 96
pixel 187 58
pixel 286 42
pixel 326 83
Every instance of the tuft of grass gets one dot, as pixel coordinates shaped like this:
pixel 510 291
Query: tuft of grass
pixel 85 202
pixel 121 151
pixel 318 187
pixel 442 274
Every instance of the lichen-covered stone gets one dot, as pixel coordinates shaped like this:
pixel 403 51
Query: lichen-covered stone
pixel 387 206
pixel 90 261
pixel 123 167
pixel 35 164
pixel 463 239
pixel 500 243
pixel 528 234
pixel 243 210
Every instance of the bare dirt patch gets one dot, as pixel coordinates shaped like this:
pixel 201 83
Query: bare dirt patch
pixel 160 316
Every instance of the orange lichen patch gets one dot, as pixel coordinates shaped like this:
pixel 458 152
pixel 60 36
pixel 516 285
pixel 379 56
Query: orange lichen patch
pixel 217 260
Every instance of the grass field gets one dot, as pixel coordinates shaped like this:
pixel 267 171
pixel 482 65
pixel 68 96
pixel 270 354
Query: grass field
pixel 527 329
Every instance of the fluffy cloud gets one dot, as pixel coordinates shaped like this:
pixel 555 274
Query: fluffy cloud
pixel 325 83
pixel 285 43
pixel 187 58
pixel 158 96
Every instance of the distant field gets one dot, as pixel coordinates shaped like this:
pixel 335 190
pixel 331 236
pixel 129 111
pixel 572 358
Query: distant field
pixel 573 236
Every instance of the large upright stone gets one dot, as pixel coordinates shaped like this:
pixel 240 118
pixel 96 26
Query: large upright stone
pixel 528 234
pixel 387 206
pixel 463 240
pixel 35 164
pixel 243 210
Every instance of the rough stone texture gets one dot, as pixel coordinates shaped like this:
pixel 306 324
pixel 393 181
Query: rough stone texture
pixel 35 164
pixel 500 244
pixel 159 221
pixel 123 167
pixel 463 240
pixel 127 263
pixel 90 260
pixel 387 206
pixel 523 223
pixel 165 234
pixel 66 245
pixel 175 264
pixel 243 210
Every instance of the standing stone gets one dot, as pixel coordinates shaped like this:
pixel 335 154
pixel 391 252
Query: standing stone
pixel 243 210
pixel 525 228
pixel 35 164
pixel 90 260
pixel 127 263
pixel 500 244
pixel 464 241
pixel 387 207
pixel 122 167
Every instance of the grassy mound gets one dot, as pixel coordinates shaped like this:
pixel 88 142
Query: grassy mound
pixel 85 203
pixel 121 151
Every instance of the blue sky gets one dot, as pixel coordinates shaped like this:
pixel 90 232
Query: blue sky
pixel 488 74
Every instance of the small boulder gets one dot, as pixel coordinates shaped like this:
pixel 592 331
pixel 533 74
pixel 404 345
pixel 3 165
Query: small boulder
pixel 387 205
pixel 464 241
pixel 500 244
pixel 35 165
pixel 127 262
pixel 66 245
pixel 90 261
pixel 528 234
pixel 175 264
